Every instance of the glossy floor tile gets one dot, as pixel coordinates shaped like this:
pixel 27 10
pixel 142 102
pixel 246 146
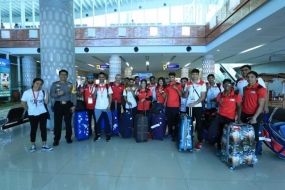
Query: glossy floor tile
pixel 123 164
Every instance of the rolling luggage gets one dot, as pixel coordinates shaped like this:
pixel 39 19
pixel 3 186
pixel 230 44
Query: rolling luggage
pixel 115 120
pixel 238 145
pixel 158 126
pixel 81 125
pixel 185 132
pixel 141 127
pixel 126 124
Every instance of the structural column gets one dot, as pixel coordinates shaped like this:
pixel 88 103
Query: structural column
pixel 114 67
pixel 29 70
pixel 208 66
pixel 128 72
pixel 57 42
pixel 184 72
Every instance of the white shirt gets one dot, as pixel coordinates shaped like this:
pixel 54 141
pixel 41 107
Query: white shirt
pixel 152 88
pixel 102 100
pixel 242 83
pixel 34 107
pixel 212 93
pixel 130 98
pixel 200 87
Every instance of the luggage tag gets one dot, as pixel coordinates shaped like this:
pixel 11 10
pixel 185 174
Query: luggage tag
pixel 90 100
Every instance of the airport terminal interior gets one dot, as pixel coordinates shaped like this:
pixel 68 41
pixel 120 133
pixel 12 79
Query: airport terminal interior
pixel 143 38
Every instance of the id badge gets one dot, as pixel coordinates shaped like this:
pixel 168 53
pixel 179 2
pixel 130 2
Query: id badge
pixel 90 100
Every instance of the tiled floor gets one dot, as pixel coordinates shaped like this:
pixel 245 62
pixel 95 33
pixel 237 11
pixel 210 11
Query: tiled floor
pixel 123 164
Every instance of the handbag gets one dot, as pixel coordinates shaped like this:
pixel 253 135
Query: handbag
pixel 156 108
pixel 47 113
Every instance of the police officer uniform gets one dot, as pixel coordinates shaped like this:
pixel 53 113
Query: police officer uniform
pixel 62 107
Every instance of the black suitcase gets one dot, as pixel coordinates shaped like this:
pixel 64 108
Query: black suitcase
pixel 141 127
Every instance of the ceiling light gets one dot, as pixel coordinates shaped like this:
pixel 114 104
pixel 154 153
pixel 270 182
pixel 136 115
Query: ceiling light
pixel 91 65
pixel 258 29
pixel 253 48
pixel 38 61
pixel 132 68
pixel 76 66
pixel 167 63
pixel 107 64
pixel 127 64
pixel 218 50
pixel 187 64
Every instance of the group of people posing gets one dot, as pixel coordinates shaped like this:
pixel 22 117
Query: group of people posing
pixel 243 101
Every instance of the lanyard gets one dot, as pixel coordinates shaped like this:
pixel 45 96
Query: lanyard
pixel 91 89
pixel 35 98
pixel 102 91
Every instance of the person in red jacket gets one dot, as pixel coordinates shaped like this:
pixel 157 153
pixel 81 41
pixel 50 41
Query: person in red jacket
pixel 161 91
pixel 88 93
pixel 173 105
pixel 144 98
pixel 254 96
pixel 229 103
pixel 118 89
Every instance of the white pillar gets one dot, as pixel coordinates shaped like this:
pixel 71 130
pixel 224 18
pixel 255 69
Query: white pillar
pixel 208 66
pixel 29 70
pixel 114 67
pixel 128 72
pixel 184 72
pixel 57 42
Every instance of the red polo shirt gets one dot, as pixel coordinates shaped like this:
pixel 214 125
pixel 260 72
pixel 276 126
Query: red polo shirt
pixel 173 99
pixel 251 96
pixel 229 104
pixel 159 96
pixel 88 91
pixel 117 91
pixel 142 94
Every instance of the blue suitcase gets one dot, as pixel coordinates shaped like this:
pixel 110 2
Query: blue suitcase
pixel 185 133
pixel 158 126
pixel 81 125
pixel 126 124
pixel 115 120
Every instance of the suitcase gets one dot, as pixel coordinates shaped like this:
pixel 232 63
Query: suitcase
pixel 185 132
pixel 115 120
pixel 141 128
pixel 126 124
pixel 105 121
pixel 238 145
pixel 158 126
pixel 81 125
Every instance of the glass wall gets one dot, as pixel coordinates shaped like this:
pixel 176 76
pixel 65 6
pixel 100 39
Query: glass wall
pixel 90 13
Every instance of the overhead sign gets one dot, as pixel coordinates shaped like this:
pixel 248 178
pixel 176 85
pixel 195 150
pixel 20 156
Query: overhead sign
pixel 5 89
pixel 102 66
pixel 171 66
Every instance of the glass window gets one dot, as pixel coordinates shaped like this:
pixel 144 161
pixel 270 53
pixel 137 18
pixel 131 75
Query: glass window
pixel 163 16
pixel 150 16
pixel 138 17
pixel 176 15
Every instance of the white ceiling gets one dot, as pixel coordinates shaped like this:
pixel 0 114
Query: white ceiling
pixel 272 34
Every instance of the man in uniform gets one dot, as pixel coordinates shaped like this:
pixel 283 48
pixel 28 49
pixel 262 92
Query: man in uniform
pixel 65 102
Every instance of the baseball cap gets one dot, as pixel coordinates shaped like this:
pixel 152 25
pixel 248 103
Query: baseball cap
pixel 90 76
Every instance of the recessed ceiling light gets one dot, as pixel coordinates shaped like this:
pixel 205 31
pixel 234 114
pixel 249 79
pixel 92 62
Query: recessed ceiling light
pixel 258 29
pixel 218 50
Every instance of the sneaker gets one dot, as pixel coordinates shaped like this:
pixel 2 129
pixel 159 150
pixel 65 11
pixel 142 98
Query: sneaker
pixel 219 153
pixel 33 148
pixel 55 143
pixel 47 148
pixel 97 138
pixel 69 141
pixel 108 138
pixel 198 146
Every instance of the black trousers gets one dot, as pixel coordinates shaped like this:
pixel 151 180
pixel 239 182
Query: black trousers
pixel 118 108
pixel 90 115
pixel 35 121
pixel 172 115
pixel 246 117
pixel 222 120
pixel 62 110
pixel 197 114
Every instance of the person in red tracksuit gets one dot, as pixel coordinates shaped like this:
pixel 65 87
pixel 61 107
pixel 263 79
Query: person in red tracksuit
pixel 118 89
pixel 254 96
pixel 144 98
pixel 161 91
